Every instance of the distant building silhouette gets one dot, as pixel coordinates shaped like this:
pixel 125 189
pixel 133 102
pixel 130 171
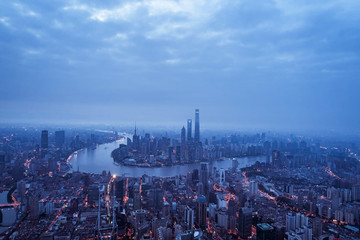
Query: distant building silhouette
pixel 44 139
pixel 197 126
pixel 183 137
pixel 136 143
pixel 44 142
pixel 276 158
pixel 189 125
pixel 59 138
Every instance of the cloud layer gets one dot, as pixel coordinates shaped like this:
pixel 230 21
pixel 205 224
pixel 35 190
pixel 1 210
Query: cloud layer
pixel 268 64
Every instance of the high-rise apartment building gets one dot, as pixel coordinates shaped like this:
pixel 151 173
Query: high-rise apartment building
pixel 189 218
pixel 204 175
pixel 245 222
pixel 201 211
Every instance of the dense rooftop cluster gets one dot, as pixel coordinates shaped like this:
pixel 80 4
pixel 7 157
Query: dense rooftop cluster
pixel 304 189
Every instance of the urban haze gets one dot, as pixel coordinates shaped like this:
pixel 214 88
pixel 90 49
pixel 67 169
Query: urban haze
pixel 179 120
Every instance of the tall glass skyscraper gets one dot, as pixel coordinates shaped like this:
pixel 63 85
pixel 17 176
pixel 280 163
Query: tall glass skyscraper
pixel 183 141
pixel 197 126
pixel 189 124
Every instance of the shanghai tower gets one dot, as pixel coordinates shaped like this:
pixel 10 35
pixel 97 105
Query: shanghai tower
pixel 197 126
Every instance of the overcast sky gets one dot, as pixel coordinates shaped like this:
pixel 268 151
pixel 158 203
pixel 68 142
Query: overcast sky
pixel 245 64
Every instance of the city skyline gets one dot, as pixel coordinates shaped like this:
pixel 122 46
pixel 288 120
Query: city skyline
pixel 61 183
pixel 179 120
pixel 246 65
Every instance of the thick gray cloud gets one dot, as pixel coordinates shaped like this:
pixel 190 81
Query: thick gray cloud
pixel 270 64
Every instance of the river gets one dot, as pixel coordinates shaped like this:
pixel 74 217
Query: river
pixel 9 214
pixel 99 159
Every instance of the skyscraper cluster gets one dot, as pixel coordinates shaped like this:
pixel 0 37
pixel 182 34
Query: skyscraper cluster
pixel 191 148
pixel 149 151
pixel 295 190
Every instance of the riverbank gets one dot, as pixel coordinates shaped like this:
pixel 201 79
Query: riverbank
pixel 99 160
pixel 131 162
